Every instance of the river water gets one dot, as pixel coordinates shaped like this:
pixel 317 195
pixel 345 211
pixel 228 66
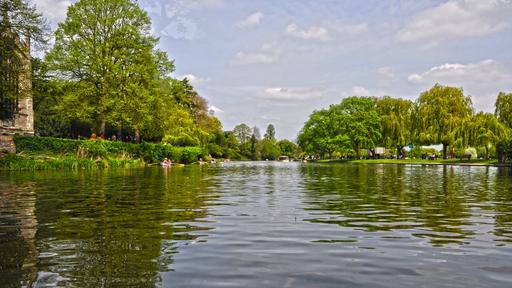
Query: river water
pixel 258 224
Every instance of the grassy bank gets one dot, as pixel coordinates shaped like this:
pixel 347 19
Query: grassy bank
pixel 477 162
pixel 44 153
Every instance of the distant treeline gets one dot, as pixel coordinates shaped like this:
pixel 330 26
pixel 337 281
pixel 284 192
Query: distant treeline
pixel 441 115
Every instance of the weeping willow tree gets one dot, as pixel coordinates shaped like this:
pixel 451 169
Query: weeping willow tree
pixel 441 114
pixel 396 121
pixel 20 25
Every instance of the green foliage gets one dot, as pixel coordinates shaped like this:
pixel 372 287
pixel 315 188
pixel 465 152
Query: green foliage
pixel 288 148
pixel 503 107
pixel 270 134
pixel 242 133
pixel 396 120
pixel 46 144
pixel 269 149
pixel 485 130
pixel 97 150
pixel 441 115
pixel 353 123
pixel 23 19
pixel 106 51
pixel 22 162
pixel 504 150
pixel 471 151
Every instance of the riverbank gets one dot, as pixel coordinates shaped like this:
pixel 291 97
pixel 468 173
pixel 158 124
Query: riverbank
pixel 456 162
pixel 46 153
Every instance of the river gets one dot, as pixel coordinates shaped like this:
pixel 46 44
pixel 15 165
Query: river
pixel 258 224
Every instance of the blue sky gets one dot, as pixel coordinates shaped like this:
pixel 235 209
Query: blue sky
pixel 261 62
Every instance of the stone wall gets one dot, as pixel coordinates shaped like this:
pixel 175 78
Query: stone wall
pixel 23 122
pixel 7 144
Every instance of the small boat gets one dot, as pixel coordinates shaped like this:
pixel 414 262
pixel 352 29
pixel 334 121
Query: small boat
pixel 283 159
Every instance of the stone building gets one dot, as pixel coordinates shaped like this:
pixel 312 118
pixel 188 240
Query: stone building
pixel 16 112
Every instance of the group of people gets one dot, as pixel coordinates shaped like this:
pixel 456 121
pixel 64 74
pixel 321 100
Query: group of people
pixel 166 163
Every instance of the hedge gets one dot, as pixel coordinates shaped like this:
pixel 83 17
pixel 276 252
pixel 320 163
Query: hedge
pixel 149 152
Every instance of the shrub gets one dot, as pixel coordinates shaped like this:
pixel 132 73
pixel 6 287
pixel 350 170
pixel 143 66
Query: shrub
pixel 98 150
pixel 504 150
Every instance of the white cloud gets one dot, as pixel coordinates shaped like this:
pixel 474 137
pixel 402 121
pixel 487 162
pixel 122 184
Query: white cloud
pixel 266 55
pixel 458 19
pixel 348 28
pixel 484 71
pixel 386 72
pixel 193 79
pixel 172 18
pixel 313 33
pixel 284 94
pixel 360 91
pixel 251 21
pixel 53 9
pixel 482 80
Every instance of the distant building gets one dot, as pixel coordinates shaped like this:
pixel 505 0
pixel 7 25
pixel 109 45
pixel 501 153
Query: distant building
pixel 16 113
pixel 16 108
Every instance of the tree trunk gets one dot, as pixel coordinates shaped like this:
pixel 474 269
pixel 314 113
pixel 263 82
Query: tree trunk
pixel 445 147
pixel 137 135
pixel 486 153
pixel 103 124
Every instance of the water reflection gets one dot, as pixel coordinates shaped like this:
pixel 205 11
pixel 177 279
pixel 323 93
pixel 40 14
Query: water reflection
pixel 258 224
pixel 447 205
pixel 98 228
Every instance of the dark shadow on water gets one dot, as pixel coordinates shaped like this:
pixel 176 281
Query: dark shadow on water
pixel 98 228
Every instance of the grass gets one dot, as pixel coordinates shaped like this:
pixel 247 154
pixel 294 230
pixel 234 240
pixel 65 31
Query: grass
pixel 25 161
pixel 46 153
pixel 415 161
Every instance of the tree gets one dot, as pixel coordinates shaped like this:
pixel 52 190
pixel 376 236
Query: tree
pixel 242 133
pixel 504 108
pixel 104 47
pixel 321 136
pixel 358 120
pixel 486 131
pixel 18 17
pixel 440 115
pixel 269 149
pixel 288 148
pixel 396 121
pixel 256 132
pixel 270 134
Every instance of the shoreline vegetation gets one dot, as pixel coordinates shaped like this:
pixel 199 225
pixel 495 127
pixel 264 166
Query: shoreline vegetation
pixel 447 162
pixel 46 153
pixel 122 88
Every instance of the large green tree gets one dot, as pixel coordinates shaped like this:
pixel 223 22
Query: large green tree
pixel 396 121
pixel 357 118
pixel 105 48
pixel 504 108
pixel 319 135
pixel 440 116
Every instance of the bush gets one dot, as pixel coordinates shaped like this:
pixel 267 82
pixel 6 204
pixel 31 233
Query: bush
pixel 504 150
pixel 97 150
pixel 46 144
